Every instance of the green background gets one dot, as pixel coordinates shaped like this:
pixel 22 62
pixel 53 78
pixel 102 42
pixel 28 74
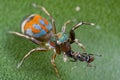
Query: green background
pixel 104 39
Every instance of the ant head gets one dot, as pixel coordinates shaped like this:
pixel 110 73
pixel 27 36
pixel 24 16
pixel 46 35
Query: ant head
pixel 90 58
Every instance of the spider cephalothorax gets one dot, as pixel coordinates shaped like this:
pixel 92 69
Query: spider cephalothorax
pixel 40 31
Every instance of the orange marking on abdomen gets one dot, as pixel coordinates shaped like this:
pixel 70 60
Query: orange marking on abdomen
pixel 35 20
pixel 43 27
pixel 46 22
pixel 34 30
pixel 29 25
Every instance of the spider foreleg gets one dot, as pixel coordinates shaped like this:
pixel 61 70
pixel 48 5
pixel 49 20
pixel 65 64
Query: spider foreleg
pixel 72 33
pixel 80 45
pixel 82 23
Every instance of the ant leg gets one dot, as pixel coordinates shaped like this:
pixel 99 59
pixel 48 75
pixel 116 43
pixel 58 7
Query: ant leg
pixel 80 44
pixel 28 54
pixel 99 55
pixel 53 63
pixel 72 33
pixel 65 25
pixel 90 65
pixel 48 14
pixel 27 37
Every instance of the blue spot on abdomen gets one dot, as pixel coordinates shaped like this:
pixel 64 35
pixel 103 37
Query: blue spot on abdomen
pixel 41 33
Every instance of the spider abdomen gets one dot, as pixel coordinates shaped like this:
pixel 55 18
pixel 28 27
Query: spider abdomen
pixel 37 27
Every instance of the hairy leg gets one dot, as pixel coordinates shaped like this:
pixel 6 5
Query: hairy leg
pixel 54 65
pixel 29 53
pixel 48 14
pixel 72 33
pixel 25 36
pixel 65 25
pixel 80 45
pixel 82 23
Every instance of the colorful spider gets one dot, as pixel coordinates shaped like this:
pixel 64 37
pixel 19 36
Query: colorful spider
pixel 40 31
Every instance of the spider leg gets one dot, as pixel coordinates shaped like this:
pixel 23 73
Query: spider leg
pixel 54 65
pixel 25 36
pixel 48 14
pixel 65 25
pixel 80 45
pixel 72 33
pixel 82 23
pixel 28 54
pixel 64 57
